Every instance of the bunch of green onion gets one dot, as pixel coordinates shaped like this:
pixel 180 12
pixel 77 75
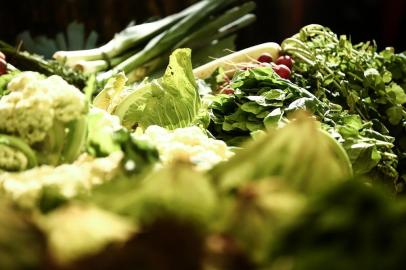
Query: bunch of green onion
pixel 139 50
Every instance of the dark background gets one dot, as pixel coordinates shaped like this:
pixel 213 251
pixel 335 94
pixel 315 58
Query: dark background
pixel 380 20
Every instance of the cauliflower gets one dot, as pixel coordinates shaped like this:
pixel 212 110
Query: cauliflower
pixel 69 180
pixel 188 144
pixel 35 102
pixel 44 112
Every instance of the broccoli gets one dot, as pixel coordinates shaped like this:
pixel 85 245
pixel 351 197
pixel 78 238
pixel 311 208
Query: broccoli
pixel 42 114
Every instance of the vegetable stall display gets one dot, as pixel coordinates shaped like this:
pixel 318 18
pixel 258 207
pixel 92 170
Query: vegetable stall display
pixel 276 157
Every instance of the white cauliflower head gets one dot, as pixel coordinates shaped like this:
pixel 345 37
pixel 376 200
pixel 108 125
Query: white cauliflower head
pixel 35 102
pixel 188 144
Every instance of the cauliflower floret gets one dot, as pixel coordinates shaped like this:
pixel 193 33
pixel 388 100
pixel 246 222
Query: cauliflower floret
pixel 155 133
pixel 12 160
pixel 68 101
pixel 189 144
pixel 20 81
pixel 35 102
pixel 34 118
pixel 190 136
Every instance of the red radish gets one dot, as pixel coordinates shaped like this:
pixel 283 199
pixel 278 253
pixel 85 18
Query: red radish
pixel 265 58
pixel 3 66
pixel 227 91
pixel 285 60
pixel 2 56
pixel 282 70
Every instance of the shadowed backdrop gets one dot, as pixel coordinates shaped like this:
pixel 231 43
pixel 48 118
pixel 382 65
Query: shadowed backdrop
pixel 377 20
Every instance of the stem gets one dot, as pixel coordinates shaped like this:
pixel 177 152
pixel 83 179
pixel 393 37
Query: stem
pixel 75 139
pixel 95 66
pixel 21 146
pixel 214 26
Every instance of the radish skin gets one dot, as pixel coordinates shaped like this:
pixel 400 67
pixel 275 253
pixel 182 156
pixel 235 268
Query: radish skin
pixel 229 62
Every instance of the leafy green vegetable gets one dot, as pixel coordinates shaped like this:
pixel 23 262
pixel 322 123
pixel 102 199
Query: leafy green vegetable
pixel 352 226
pixel 176 191
pixel 100 141
pixel 139 156
pixel 264 100
pixel 4 80
pixel 106 136
pixel 283 154
pixel 25 61
pixel 171 101
pixel 358 78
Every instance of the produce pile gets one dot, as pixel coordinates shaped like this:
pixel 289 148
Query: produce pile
pixel 291 157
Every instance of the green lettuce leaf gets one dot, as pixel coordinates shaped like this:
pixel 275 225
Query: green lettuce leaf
pixel 172 101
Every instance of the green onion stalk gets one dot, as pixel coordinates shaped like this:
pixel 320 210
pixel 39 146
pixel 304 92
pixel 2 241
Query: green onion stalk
pixel 143 49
